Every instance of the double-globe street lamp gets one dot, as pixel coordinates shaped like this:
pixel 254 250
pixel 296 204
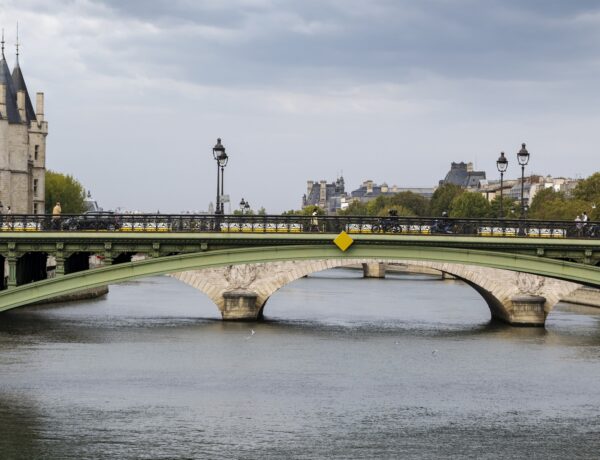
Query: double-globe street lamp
pixel 221 158
pixel 523 158
pixel 244 206
pixel 502 165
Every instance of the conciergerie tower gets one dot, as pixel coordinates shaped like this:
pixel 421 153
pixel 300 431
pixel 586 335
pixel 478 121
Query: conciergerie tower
pixel 23 132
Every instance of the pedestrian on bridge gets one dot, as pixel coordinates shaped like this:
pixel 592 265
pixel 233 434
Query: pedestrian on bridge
pixel 314 222
pixel 56 215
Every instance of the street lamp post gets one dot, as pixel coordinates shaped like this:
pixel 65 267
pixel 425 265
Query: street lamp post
pixel 523 158
pixel 502 165
pixel 221 158
pixel 244 206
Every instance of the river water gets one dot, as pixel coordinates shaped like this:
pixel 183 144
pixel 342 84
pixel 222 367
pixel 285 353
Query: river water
pixel 343 367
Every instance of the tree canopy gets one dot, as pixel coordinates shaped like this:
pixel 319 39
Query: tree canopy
pixel 442 198
pixel 470 205
pixel 65 189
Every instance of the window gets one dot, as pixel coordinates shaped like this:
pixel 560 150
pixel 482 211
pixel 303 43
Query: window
pixel 36 152
pixel 35 187
pixel 35 208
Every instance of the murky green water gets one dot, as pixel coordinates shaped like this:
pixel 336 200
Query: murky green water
pixel 344 368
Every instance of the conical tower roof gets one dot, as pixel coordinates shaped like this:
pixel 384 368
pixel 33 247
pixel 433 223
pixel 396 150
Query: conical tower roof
pixel 12 112
pixel 19 84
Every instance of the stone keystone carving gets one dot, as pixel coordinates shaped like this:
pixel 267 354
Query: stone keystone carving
pixel 530 284
pixel 240 276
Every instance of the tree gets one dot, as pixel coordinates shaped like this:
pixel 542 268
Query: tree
pixel 400 211
pixel 589 190
pixel 470 204
pixel 356 208
pixel 65 189
pixel 442 197
pixel 416 205
pixel 510 207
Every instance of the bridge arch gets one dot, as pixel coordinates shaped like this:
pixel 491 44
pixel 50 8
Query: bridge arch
pixel 48 289
pixel 497 287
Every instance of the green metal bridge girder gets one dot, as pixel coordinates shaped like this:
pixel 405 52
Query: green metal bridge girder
pixel 244 249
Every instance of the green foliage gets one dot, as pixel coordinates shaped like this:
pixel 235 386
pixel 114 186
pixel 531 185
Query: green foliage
pixel 442 198
pixel 356 208
pixel 510 207
pixel 400 211
pixel 65 189
pixel 415 205
pixel 556 206
pixel 405 203
pixel 589 189
pixel 248 212
pixel 543 200
pixel 470 205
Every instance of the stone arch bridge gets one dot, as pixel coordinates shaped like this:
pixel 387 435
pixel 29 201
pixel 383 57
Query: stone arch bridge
pixel 242 291
pixel 570 260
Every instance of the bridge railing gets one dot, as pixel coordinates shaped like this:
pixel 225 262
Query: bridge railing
pixel 195 223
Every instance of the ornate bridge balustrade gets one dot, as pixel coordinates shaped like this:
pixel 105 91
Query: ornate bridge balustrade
pixel 561 256
pixel 194 223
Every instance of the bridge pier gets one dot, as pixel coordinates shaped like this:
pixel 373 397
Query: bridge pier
pixel 240 305
pixel 527 310
pixel 12 272
pixel 374 270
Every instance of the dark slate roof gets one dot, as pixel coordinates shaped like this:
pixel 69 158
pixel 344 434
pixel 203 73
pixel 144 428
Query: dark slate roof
pixel 20 85
pixel 460 175
pixel 12 112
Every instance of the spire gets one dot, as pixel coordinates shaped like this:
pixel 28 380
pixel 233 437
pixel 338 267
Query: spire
pixel 17 45
pixel 19 85
pixel 2 43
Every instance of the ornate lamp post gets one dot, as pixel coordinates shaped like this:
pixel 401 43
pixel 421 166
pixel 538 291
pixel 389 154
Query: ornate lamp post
pixel 221 158
pixel 244 206
pixel 502 165
pixel 523 157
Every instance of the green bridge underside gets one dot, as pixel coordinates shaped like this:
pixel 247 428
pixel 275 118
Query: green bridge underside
pixel 570 260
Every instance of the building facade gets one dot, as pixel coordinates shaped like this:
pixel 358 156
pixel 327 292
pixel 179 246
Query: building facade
pixel 23 132
pixel 328 196
pixel 369 190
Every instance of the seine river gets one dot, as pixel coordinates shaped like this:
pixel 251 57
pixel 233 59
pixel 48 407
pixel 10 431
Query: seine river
pixel 344 367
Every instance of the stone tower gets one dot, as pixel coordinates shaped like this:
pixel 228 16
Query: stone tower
pixel 23 132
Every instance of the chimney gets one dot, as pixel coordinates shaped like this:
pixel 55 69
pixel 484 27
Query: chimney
pixel 470 166
pixel 39 107
pixel 21 104
pixel 369 185
pixel 309 186
pixel 323 192
pixel 384 188
pixel 3 100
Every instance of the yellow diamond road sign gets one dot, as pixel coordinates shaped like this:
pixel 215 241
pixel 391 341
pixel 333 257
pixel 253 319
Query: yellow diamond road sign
pixel 343 241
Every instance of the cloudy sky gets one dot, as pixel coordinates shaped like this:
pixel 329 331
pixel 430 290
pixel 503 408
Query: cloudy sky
pixel 137 92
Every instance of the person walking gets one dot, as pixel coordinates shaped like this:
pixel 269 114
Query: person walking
pixel 584 221
pixel 314 221
pixel 56 211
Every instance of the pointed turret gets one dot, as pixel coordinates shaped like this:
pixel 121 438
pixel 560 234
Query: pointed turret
pixel 19 83
pixel 10 110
